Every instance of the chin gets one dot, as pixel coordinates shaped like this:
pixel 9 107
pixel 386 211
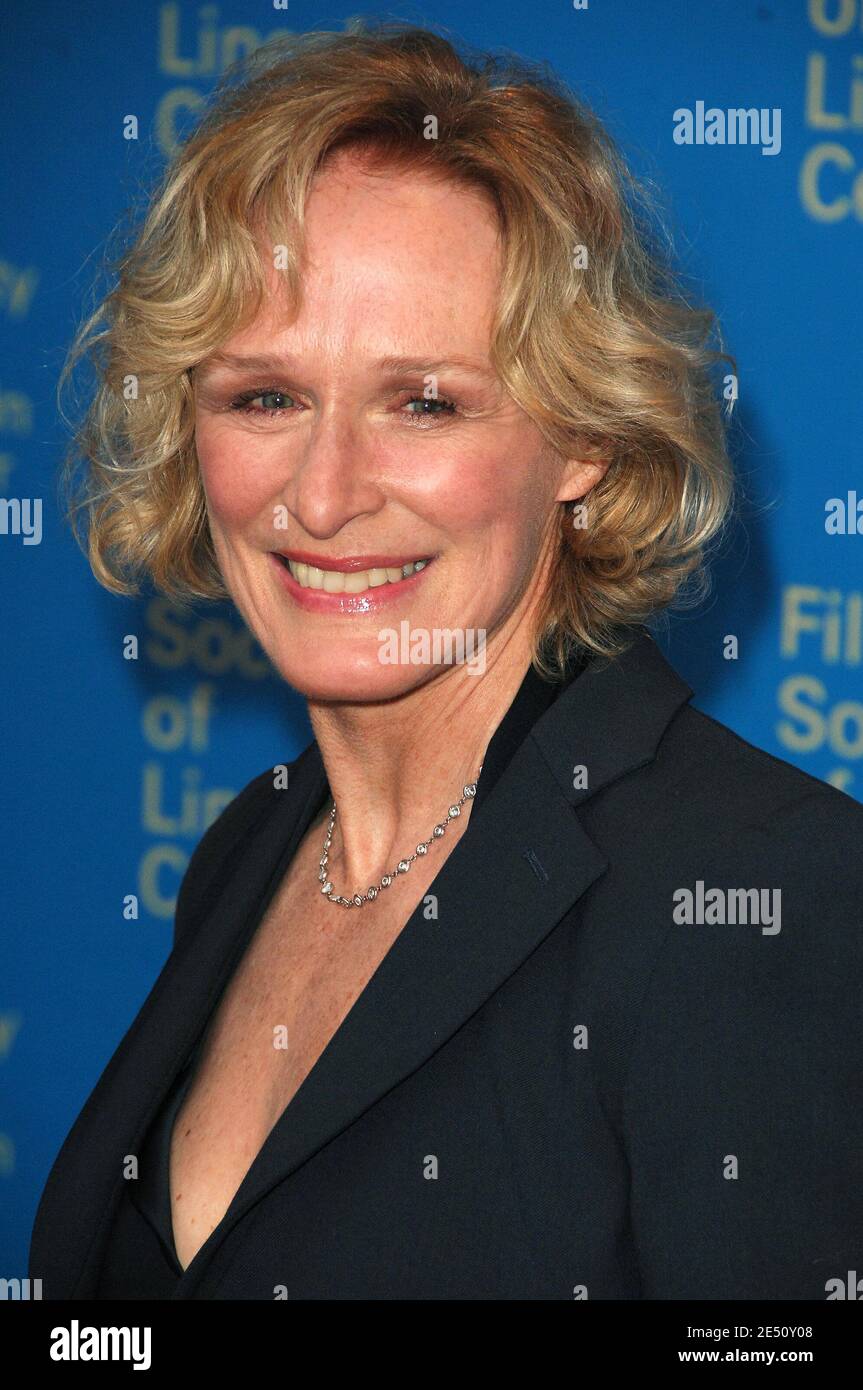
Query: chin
pixel 338 673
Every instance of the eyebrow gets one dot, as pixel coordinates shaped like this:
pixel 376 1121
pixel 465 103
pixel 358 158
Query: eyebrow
pixel 393 366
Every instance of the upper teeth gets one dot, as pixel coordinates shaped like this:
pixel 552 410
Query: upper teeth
pixel 352 581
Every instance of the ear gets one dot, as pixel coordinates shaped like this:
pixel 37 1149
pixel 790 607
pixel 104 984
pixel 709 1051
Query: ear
pixel 579 476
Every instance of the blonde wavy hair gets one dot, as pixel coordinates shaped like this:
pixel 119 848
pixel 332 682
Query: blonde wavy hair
pixel 593 336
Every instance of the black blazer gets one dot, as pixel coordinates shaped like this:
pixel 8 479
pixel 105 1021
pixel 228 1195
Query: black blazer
pixel 554 1090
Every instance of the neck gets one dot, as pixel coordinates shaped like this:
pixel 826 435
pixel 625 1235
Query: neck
pixel 395 767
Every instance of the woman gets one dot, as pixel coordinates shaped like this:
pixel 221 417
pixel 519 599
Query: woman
pixel 529 980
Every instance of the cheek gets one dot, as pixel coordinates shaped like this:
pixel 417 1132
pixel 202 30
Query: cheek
pixel 499 498
pixel 236 487
pixel 474 490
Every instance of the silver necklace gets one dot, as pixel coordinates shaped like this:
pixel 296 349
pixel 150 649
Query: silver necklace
pixel 359 899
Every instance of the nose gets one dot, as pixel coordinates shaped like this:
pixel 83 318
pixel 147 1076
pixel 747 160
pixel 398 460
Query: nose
pixel 333 479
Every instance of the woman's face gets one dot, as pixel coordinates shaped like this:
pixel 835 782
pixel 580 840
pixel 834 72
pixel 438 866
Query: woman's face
pixel 333 447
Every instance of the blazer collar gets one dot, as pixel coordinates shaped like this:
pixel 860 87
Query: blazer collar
pixel 521 865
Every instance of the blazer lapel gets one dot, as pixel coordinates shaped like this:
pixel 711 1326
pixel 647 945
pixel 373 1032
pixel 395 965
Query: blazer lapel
pixel 518 869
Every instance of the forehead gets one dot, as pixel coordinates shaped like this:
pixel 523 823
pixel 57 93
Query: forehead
pixel 352 191
pixel 394 258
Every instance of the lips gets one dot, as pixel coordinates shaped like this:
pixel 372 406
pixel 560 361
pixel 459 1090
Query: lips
pixel 343 591
pixel 336 580
pixel 348 563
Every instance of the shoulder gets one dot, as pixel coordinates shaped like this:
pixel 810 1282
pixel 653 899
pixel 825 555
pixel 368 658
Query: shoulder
pixel 754 920
pixel 745 1041
pixel 708 801
pixel 728 928
pixel 220 846
pixel 746 819
pixel 733 788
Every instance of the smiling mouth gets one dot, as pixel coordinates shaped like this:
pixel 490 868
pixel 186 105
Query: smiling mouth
pixel 349 581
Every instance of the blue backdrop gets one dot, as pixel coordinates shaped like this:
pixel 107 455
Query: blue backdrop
pixel 113 768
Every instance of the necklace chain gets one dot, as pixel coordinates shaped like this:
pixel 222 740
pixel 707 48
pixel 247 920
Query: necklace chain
pixel 359 899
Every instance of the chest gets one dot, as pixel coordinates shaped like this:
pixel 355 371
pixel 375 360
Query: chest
pixel 454 1148
pixel 305 968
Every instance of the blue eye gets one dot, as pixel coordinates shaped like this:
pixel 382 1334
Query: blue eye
pixel 448 407
pixel 245 401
